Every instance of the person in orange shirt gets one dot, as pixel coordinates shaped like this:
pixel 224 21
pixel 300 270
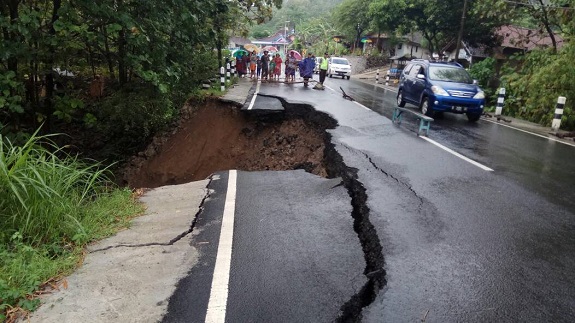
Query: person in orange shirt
pixel 278 68
pixel 253 64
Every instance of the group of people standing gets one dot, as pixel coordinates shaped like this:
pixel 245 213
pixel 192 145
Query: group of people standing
pixel 268 66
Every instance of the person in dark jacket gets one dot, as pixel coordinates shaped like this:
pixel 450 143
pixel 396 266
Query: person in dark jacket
pixel 265 62
pixel 306 68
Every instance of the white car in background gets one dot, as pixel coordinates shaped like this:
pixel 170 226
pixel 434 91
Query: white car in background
pixel 339 66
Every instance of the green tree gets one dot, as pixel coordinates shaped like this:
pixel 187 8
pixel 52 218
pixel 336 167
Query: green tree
pixel 535 81
pixel 352 19
pixel 130 43
pixel 546 16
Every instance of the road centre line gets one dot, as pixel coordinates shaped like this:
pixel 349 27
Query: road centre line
pixel 361 105
pixel 255 95
pixel 531 133
pixel 457 154
pixel 216 312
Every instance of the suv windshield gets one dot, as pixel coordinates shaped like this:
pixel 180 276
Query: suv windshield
pixel 341 61
pixel 449 74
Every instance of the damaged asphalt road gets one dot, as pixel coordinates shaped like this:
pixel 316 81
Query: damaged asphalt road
pixel 402 231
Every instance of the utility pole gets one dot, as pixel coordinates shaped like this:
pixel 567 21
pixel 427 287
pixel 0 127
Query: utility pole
pixel 460 35
pixel 285 36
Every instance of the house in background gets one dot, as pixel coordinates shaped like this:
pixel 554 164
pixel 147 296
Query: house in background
pixel 468 55
pixel 400 49
pixel 280 40
pixel 237 42
pixel 513 39
pixel 403 46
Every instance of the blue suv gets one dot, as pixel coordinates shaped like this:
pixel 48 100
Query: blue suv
pixel 440 87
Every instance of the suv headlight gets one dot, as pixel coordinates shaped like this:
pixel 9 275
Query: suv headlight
pixel 437 90
pixel 479 95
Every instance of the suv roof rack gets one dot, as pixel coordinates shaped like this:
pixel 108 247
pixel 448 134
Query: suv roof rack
pixel 420 60
pixel 436 62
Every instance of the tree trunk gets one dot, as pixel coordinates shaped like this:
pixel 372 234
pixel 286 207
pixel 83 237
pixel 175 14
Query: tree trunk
pixel 108 54
pixel 547 25
pixel 49 102
pixel 460 34
pixel 429 42
pixel 122 70
pixel 377 41
pixel 219 45
pixel 12 36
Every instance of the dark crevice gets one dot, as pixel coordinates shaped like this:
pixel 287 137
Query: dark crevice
pixel 175 239
pixel 351 310
pixel 409 187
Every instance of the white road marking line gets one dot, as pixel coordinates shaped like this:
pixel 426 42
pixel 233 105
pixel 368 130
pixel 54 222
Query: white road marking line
pixel 361 105
pixel 329 87
pixel 457 154
pixel 216 312
pixel 532 133
pixel 255 95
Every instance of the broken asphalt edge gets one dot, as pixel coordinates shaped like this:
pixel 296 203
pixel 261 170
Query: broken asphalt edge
pixel 351 311
pixel 176 238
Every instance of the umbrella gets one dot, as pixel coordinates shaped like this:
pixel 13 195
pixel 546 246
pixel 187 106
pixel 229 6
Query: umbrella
pixel 237 53
pixel 272 49
pixel 295 54
pixel 252 47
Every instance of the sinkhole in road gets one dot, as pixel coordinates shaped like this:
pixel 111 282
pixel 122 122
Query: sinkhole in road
pixel 215 136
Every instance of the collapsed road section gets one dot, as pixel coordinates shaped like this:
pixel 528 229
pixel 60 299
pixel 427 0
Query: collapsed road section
pixel 215 137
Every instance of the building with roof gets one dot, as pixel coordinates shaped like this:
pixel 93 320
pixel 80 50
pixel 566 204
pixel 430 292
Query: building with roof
pixel 280 40
pixel 513 40
pixel 403 47
pixel 237 42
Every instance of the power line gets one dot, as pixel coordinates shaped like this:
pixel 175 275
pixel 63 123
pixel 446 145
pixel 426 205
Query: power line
pixel 533 5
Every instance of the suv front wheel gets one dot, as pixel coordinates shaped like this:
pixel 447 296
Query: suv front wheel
pixel 400 101
pixel 426 108
pixel 473 117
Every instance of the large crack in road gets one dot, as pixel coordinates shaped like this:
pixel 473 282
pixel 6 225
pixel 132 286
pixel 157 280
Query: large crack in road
pixel 296 138
pixel 351 311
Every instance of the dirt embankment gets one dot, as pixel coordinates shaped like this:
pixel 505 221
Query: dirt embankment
pixel 215 136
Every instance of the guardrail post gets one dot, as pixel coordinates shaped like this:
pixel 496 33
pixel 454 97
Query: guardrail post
pixel 228 72
pixel 556 124
pixel 387 80
pixel 500 100
pixel 377 77
pixel 233 68
pixel 222 79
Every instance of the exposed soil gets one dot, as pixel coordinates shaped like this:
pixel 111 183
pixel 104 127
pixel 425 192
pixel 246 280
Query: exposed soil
pixel 215 136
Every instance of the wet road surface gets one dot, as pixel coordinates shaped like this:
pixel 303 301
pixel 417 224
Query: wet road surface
pixel 460 244
pixel 295 255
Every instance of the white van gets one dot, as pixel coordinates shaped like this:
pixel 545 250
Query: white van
pixel 339 66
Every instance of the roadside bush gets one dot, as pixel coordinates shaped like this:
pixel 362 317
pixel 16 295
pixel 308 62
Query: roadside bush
pixel 535 81
pixel 129 117
pixel 484 72
pixel 51 206
pixel 377 61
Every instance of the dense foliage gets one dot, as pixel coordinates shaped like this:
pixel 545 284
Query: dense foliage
pixel 536 82
pixel 51 206
pixel 60 57
pixel 113 72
